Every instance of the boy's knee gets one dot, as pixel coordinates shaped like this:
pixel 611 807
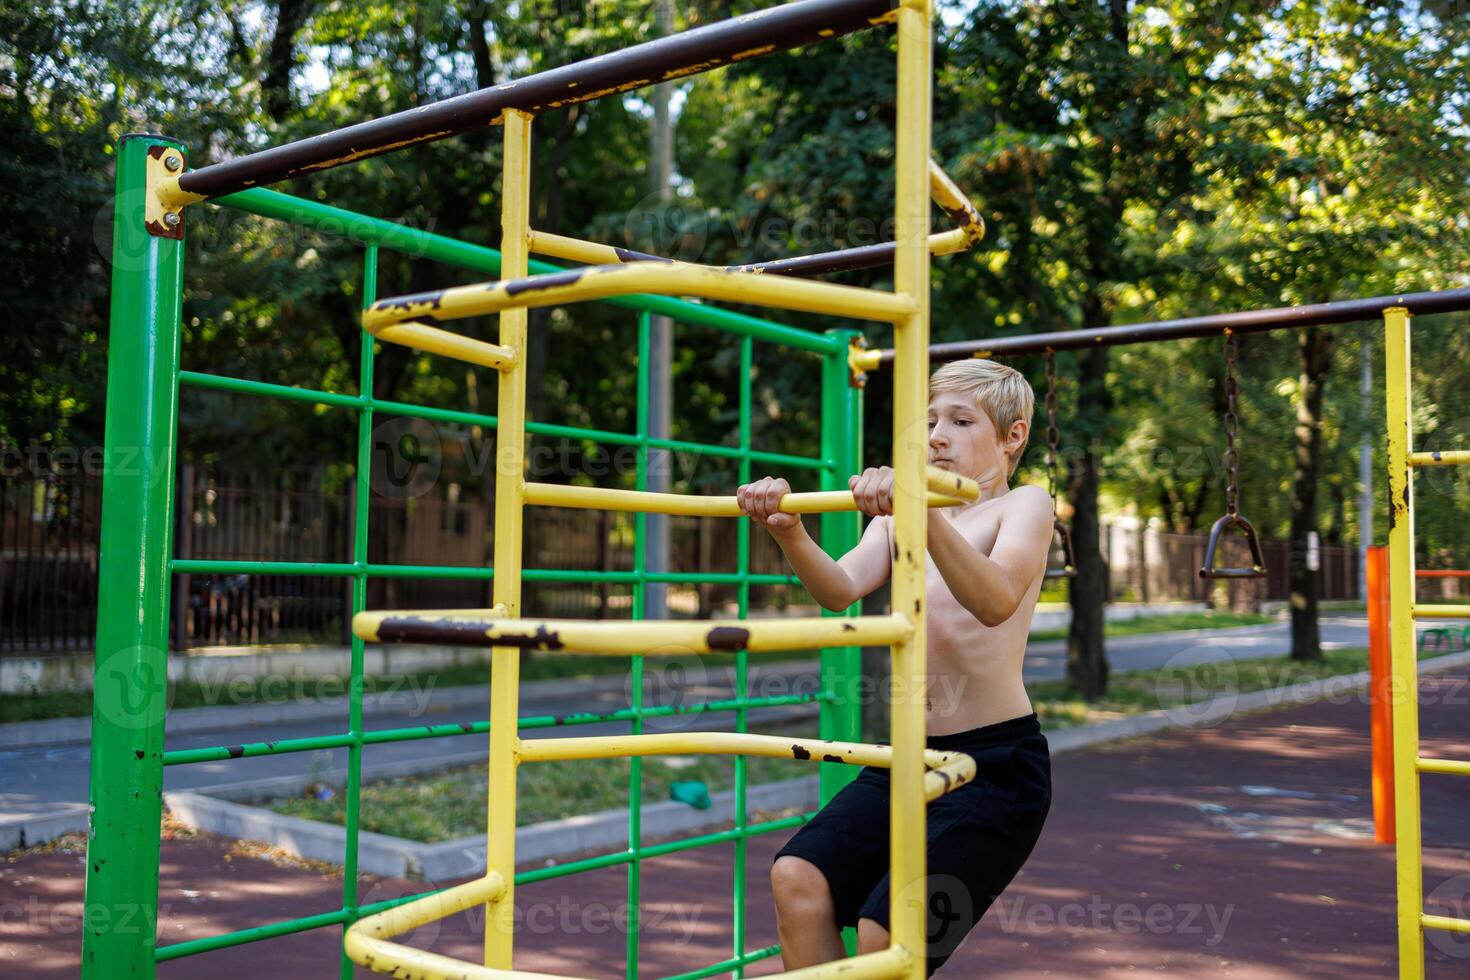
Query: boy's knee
pixel 872 937
pixel 799 886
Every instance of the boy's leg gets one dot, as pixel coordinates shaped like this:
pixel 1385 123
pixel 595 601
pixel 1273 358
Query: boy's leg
pixel 872 937
pixel 828 868
pixel 979 836
pixel 806 916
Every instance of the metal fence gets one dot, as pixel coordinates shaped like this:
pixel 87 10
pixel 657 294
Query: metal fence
pixel 49 536
pixel 49 529
pixel 1146 564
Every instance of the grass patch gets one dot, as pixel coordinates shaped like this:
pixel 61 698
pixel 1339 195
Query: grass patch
pixel 1134 692
pixel 445 805
pixel 1168 623
pixel 449 804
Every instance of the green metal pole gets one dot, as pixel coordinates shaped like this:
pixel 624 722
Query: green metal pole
pixel 635 688
pixel 841 667
pixel 742 659
pixel 841 443
pixel 131 679
pixel 362 496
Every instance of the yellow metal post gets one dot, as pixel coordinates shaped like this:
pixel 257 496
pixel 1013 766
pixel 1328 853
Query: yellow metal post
pixel 510 476
pixel 1404 686
pixel 907 906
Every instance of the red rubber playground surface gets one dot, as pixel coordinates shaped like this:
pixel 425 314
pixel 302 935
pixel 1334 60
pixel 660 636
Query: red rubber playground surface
pixel 1243 850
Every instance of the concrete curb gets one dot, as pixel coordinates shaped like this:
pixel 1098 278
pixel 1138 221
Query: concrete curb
pixel 30 829
pixel 73 671
pixel 554 839
pixel 392 856
pixel 1208 714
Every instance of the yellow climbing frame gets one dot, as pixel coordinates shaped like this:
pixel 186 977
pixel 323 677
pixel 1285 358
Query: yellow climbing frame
pixel 918 775
pixel 1403 611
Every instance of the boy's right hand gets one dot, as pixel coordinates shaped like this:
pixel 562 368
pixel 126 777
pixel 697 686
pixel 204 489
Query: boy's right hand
pixel 762 498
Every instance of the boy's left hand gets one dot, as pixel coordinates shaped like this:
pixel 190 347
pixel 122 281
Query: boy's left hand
pixel 872 490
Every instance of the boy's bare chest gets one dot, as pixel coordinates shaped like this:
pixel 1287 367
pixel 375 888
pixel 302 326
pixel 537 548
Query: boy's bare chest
pixel 981 530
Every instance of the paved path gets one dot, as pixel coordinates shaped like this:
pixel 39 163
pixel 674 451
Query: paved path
pixel 35 780
pixel 1241 851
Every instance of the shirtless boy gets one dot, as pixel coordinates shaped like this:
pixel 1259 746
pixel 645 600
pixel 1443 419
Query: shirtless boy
pixel 986 563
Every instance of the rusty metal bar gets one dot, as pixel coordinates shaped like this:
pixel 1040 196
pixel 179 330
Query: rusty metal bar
pixel 675 56
pixel 969 230
pixel 1249 321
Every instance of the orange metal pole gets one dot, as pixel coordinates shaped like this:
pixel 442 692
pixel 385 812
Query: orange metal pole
pixel 1380 700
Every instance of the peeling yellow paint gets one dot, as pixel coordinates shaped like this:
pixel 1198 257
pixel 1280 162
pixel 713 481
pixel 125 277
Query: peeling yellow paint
pixel 694 69
pixel 753 52
pixel 373 151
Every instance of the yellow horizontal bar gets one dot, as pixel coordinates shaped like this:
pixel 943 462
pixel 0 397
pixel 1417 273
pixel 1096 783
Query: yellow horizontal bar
pixel 654 638
pixel 596 253
pixel 1449 767
pixel 885 964
pixel 410 915
pixel 947 770
pixel 173 197
pixel 690 505
pixel 660 278
pixel 366 942
pixel 947 489
pixel 864 360
pixel 421 336
pixel 949 242
pixel 951 484
pixel 947 194
pixel 578 249
pixel 1445 922
pixel 1456 457
pixel 1432 611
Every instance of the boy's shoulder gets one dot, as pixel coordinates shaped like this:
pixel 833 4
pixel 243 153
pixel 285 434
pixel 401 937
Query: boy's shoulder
pixel 1026 500
pixel 1028 497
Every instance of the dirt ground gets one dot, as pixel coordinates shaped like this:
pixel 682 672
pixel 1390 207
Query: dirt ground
pixel 1244 850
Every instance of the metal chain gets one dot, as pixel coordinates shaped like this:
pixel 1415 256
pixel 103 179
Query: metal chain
pixel 1231 459
pixel 1052 435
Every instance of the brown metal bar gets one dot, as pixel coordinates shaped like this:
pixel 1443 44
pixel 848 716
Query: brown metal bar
pixel 969 230
pixel 674 56
pixel 1250 321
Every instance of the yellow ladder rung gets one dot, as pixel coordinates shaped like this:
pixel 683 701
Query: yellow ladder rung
pixel 945 770
pixel 631 638
pixel 1455 457
pixel 657 277
pixel 1449 767
pixel 945 490
pixel 1441 612
pixel 1445 922
pixel 432 340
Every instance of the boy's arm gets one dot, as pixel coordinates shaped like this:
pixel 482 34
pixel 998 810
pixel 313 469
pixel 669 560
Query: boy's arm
pixel 836 584
pixel 991 587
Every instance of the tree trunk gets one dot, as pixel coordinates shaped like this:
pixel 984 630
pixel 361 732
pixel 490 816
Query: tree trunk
pixel 1314 354
pixel 291 17
pixel 475 13
pixel 1087 663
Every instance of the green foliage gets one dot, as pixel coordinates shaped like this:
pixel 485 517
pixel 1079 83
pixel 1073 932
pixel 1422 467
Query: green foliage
pixel 1132 163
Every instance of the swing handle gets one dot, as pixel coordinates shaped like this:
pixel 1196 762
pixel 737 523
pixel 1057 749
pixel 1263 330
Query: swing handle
pixel 1257 568
pixel 1068 567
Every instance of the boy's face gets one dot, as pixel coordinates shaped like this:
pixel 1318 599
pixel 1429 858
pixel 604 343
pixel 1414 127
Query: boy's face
pixel 963 440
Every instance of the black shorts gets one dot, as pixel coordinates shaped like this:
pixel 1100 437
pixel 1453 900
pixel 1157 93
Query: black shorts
pixel 979 835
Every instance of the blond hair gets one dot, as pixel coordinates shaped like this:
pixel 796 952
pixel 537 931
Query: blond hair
pixel 1001 392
